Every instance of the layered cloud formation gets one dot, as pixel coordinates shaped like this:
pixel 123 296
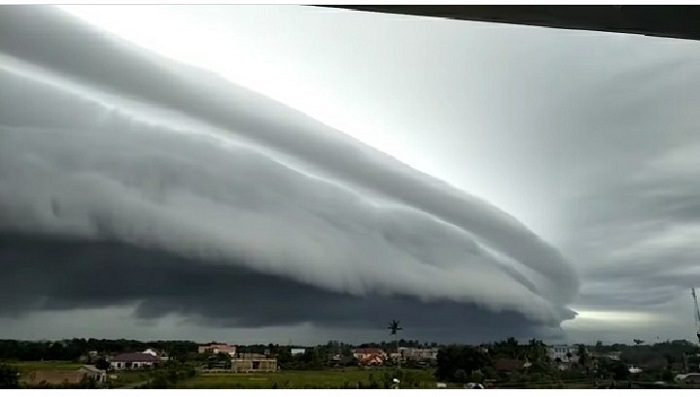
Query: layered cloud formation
pixel 126 177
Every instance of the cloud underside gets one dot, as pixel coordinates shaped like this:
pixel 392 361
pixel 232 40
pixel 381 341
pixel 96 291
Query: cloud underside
pixel 99 206
pixel 96 274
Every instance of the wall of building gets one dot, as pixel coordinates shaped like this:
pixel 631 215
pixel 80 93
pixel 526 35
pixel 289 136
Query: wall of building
pixel 254 365
pixel 120 365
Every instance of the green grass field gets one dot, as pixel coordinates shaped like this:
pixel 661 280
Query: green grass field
pixel 327 379
pixel 29 366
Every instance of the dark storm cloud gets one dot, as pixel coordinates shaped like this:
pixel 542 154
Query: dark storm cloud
pixel 81 54
pixel 112 177
pixel 178 214
pixel 44 273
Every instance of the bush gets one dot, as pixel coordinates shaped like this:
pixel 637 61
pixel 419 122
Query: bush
pixel 667 376
pixel 9 378
pixel 460 376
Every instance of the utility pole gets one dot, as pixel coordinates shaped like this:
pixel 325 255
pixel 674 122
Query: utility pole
pixel 696 313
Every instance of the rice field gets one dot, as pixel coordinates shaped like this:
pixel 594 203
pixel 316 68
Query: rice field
pixel 28 366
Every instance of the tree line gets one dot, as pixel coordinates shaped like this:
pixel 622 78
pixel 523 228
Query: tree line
pixel 73 349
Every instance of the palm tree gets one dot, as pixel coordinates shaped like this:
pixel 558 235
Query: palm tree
pixel 394 327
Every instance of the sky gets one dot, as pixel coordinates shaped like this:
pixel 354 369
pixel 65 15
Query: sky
pixel 293 174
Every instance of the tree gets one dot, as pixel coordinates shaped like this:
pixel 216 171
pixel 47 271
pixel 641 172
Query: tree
pixel 670 360
pixel 102 364
pixel 638 342
pixel 460 376
pixel 9 377
pixel 453 358
pixel 619 371
pixel 582 355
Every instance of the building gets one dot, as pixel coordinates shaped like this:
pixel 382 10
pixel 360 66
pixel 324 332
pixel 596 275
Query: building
pixel 90 371
pixel 563 353
pixel 691 362
pixel 254 362
pixel 370 356
pixel 216 348
pixel 296 351
pixel 365 352
pixel 418 354
pixel 126 361
pixel 160 354
pixel 338 360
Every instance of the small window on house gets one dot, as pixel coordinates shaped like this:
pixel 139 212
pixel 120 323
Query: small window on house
pixel 256 364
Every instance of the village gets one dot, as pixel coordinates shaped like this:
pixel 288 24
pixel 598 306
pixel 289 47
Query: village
pixel 405 364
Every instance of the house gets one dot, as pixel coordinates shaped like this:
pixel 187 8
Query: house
pixel 297 351
pixel 338 360
pixel 365 352
pixel 418 354
pixel 254 362
pixel 370 356
pixel 563 353
pixel 373 359
pixel 162 355
pixel 216 348
pixel 126 361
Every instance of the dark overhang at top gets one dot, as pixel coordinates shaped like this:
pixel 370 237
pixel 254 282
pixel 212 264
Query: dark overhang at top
pixel 681 22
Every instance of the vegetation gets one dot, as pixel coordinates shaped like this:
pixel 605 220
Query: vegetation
pixel 323 379
pixel 319 367
pixel 458 363
pixel 170 375
pixel 73 349
pixel 9 377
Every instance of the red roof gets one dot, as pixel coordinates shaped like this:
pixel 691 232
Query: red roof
pixel 373 358
pixel 136 357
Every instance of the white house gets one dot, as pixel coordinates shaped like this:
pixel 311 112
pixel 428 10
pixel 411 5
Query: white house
pixel 216 348
pixel 298 351
pixel 155 353
pixel 134 361
pixel 562 353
